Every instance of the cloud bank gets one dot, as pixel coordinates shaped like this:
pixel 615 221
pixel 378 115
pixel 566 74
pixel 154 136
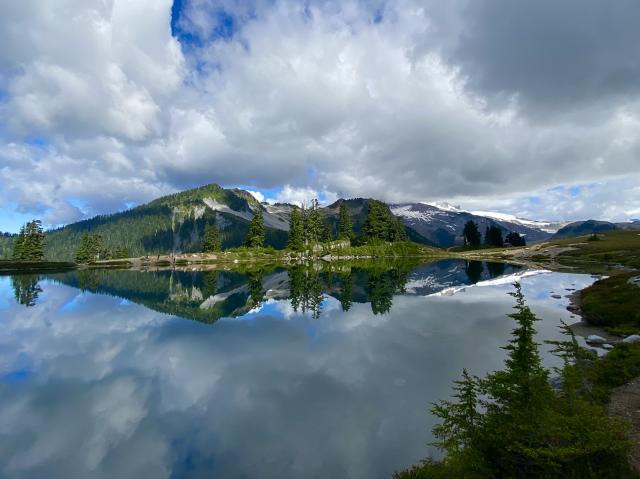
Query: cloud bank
pixel 530 109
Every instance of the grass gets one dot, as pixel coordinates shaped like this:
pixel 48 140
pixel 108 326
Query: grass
pixel 617 368
pixel 614 249
pixel 613 304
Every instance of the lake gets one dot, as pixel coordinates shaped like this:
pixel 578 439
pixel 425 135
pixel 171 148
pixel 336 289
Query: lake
pixel 270 373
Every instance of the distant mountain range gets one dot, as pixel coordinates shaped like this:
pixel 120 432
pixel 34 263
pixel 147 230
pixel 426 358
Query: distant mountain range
pixel 175 223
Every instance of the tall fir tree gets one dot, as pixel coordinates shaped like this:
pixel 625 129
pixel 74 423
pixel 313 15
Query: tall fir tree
pixel 296 230
pixel 29 245
pixel 256 234
pixel 493 236
pixel 345 227
pixel 211 239
pixel 313 223
pixel 471 234
pixel 380 224
pixel 91 249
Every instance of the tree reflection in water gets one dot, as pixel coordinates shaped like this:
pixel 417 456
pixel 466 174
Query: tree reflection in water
pixel 207 296
pixel 26 288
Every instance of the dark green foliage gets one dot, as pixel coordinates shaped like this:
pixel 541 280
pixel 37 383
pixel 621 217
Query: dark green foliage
pixel 515 239
pixel 327 232
pixel 493 236
pixel 26 288
pixel 91 249
pixel 345 227
pixel 313 223
pixel 613 303
pixel 211 239
pixel 296 230
pixel 6 245
pixel 594 237
pixel 256 233
pixel 173 223
pixel 618 367
pixel 381 225
pixel 120 253
pixel 306 290
pixel 471 234
pixel 346 290
pixel 256 290
pixel 29 244
pixel 511 424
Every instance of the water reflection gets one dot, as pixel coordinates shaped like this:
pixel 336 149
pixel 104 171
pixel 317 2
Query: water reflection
pixel 101 385
pixel 207 296
pixel 26 289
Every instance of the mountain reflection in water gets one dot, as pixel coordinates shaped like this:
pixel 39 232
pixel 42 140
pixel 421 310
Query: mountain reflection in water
pixel 207 296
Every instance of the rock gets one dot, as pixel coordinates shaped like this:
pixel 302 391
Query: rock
pixel 634 338
pixel 595 339
pixel 556 296
pixel 607 346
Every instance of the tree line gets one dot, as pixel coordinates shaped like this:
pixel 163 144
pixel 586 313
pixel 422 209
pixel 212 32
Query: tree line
pixel 492 236
pixel 308 226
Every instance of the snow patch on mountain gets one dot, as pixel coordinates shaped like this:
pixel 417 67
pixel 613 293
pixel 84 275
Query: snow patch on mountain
pixel 546 226
pixel 222 208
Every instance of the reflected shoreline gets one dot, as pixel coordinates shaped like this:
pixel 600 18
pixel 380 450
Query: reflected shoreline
pixel 207 295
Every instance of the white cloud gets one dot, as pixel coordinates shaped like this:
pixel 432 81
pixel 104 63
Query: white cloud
pixel 322 100
pixel 257 195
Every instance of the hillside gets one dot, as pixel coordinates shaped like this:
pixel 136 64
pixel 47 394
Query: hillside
pixel 580 228
pixel 173 223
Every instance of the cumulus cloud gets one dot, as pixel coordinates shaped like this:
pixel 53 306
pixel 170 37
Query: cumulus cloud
pixel 403 101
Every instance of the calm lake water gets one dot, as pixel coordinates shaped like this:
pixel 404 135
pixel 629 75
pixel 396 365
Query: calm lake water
pixel 270 374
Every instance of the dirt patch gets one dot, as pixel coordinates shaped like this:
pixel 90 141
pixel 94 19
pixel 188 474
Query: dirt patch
pixel 625 403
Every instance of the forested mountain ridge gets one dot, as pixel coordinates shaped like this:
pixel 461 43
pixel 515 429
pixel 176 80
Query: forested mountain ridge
pixel 176 222
pixel 172 223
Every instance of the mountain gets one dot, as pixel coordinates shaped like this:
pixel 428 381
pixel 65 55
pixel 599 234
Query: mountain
pixel 175 223
pixel 581 228
pixel 442 223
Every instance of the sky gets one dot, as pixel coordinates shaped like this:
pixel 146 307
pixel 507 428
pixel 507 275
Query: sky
pixel 527 108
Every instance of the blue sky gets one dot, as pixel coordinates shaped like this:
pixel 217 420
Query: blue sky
pixel 493 105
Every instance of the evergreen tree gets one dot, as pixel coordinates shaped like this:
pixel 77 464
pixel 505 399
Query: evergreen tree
pixel 121 253
pixel 256 234
pixel 296 230
pixel 471 234
pixel 91 248
pixel 313 223
pixel 29 245
pixel 512 424
pixel 345 227
pixel 493 236
pixel 381 225
pixel 211 239
pixel 515 239
pixel 327 232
